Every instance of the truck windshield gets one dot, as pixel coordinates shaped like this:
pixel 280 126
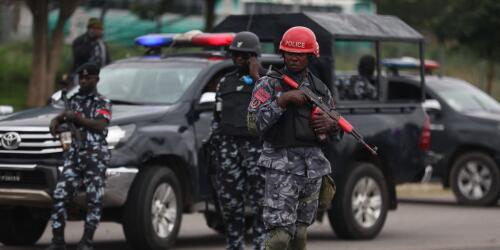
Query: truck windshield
pixel 147 83
pixel 464 97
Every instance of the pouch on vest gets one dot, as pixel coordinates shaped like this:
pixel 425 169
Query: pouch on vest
pixel 235 100
pixel 303 130
pixel 327 192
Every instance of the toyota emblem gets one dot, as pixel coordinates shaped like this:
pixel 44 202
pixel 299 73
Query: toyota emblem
pixel 11 140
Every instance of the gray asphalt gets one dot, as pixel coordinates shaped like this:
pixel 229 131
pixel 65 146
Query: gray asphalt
pixel 416 224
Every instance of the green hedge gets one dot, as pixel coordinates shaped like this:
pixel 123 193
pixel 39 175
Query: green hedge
pixel 15 69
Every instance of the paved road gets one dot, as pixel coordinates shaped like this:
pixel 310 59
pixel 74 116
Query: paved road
pixel 415 225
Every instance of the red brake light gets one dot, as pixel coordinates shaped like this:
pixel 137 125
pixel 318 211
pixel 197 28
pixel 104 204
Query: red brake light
pixel 425 137
pixel 431 65
pixel 216 39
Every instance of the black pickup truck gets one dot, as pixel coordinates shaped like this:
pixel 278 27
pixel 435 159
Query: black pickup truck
pixel 162 109
pixel 465 123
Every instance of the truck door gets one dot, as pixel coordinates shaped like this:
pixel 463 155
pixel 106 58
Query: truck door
pixel 204 107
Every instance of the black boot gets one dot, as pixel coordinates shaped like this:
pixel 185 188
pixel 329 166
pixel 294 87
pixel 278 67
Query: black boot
pixel 57 240
pixel 86 241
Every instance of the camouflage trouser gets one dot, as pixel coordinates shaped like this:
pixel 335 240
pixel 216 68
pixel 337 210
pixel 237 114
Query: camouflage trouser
pixel 289 200
pixel 89 169
pixel 238 178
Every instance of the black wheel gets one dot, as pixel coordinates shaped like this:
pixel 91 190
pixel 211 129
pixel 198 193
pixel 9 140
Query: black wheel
pixel 22 225
pixel 475 179
pixel 360 205
pixel 153 212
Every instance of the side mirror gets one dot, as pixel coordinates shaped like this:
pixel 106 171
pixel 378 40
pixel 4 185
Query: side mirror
pixel 56 96
pixel 432 107
pixel 206 102
pixel 5 110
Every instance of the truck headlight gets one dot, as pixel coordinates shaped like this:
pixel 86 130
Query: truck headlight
pixel 117 134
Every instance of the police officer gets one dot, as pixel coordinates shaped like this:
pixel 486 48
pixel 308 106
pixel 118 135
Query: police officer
pixel 90 47
pixel 291 151
pixel 238 178
pixel 86 160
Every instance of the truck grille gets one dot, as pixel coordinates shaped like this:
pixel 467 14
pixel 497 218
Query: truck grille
pixel 26 143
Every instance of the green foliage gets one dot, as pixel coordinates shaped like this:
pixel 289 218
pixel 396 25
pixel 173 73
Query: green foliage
pixel 15 69
pixel 473 24
pixel 151 11
pixel 418 14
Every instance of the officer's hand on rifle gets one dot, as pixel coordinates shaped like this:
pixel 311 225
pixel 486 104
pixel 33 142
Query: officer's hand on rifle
pixel 67 116
pixel 322 123
pixel 54 124
pixel 295 96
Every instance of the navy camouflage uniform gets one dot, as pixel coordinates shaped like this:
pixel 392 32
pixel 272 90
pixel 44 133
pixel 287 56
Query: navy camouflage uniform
pixel 85 162
pixel 239 180
pixel 293 174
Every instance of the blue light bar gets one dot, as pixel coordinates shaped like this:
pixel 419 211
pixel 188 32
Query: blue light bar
pixel 155 40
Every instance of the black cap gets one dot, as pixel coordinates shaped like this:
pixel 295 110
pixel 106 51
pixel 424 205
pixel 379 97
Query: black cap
pixel 94 23
pixel 88 69
pixel 246 41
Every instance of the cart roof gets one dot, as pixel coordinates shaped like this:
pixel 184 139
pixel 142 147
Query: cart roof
pixel 325 25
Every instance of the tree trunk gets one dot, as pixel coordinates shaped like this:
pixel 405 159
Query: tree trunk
pixel 45 56
pixel 67 9
pixel 209 14
pixel 38 79
pixel 104 10
pixel 490 75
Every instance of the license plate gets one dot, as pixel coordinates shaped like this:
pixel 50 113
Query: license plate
pixel 10 177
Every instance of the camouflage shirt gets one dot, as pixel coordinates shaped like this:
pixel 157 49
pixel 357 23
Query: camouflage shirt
pixel 91 106
pixel 264 112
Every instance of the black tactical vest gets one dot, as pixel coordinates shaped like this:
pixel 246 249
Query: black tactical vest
pixel 235 95
pixel 293 129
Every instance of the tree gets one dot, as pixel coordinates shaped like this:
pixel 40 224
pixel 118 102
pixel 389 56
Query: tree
pixel 418 14
pixel 46 49
pixel 154 11
pixel 473 24
pixel 209 14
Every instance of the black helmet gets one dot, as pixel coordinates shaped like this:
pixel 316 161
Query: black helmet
pixel 246 41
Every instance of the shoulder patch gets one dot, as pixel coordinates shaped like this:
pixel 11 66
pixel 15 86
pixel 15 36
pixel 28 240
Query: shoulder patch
pixel 255 103
pixel 262 95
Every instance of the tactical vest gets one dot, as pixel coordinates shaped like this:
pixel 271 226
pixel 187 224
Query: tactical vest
pixel 235 95
pixel 293 129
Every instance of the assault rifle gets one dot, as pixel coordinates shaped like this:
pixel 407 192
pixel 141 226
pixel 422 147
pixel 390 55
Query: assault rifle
pixel 67 129
pixel 330 111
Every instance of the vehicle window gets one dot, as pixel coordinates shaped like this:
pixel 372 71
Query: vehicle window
pixel 149 84
pixel 355 88
pixel 356 76
pixel 464 97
